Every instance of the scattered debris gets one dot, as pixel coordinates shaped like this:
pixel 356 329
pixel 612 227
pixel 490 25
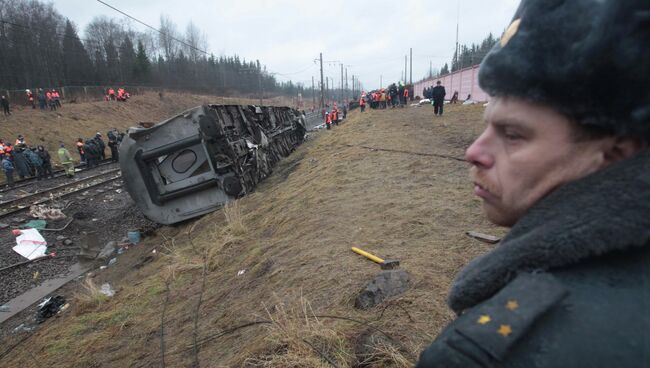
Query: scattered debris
pixel 23 328
pixel 241 272
pixel 34 224
pixel 30 244
pixel 490 239
pixel 3 226
pixel 5 308
pixel 134 236
pixel 61 229
pixel 48 213
pixel 107 290
pixel 109 249
pixel 385 285
pixel 67 242
pixel 112 261
pixel 49 307
pixel 386 264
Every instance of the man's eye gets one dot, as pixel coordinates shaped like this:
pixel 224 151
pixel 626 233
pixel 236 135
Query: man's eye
pixel 512 136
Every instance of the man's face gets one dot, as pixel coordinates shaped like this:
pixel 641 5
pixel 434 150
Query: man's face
pixel 526 151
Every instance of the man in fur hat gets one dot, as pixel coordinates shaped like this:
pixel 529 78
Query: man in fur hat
pixel 565 163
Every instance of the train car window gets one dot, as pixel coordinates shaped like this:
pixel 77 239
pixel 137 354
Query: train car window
pixel 184 161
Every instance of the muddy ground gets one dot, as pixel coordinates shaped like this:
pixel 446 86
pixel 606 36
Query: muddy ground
pixel 271 282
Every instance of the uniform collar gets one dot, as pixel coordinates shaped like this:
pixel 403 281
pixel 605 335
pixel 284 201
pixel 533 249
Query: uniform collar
pixel 603 212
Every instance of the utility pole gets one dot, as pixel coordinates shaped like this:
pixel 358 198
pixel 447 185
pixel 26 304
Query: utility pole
pixel 346 83
pixel 353 85
pixel 457 22
pixel 313 93
pixel 327 87
pixel 341 93
pixel 259 81
pixel 405 68
pixel 411 70
pixel 322 93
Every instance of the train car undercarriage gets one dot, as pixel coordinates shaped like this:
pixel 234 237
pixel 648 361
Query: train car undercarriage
pixel 199 160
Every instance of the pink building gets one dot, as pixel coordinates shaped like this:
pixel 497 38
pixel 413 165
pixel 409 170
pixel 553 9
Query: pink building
pixel 465 81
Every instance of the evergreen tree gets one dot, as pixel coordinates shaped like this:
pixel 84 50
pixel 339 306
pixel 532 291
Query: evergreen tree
pixel 127 60
pixel 142 66
pixel 77 67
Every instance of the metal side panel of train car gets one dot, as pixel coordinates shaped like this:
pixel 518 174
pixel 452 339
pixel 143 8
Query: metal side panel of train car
pixel 195 162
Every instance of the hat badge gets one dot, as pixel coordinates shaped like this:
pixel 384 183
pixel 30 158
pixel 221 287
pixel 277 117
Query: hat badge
pixel 511 31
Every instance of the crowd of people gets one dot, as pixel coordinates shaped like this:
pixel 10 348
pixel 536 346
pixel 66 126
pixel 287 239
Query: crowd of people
pixel 396 95
pixel 121 95
pixel 335 115
pixel 46 99
pixel 28 161
pixel 51 99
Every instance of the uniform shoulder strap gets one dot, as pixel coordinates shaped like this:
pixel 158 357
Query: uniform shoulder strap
pixel 484 334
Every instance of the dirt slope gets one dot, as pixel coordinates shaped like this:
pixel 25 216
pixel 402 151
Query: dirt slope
pixel 292 238
pixel 76 120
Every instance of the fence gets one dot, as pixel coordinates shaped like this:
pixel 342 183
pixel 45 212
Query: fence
pixel 465 81
pixel 18 97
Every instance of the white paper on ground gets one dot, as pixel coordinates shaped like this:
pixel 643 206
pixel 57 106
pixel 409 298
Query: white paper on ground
pixel 30 244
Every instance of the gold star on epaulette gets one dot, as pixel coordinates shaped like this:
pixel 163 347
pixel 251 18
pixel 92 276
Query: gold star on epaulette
pixel 484 319
pixel 512 305
pixel 504 330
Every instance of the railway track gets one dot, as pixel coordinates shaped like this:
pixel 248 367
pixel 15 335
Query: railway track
pixel 22 183
pixel 14 206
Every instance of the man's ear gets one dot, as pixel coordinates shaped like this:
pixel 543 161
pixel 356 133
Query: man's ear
pixel 621 148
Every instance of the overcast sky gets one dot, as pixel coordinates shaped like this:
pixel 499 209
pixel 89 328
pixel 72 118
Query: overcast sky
pixel 370 38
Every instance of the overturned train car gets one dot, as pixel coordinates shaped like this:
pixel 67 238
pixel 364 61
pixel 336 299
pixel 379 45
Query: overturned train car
pixel 197 161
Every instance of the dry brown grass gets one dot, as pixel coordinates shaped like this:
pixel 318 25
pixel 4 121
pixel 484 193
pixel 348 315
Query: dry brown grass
pixel 297 338
pixel 88 297
pixel 234 218
pixel 299 225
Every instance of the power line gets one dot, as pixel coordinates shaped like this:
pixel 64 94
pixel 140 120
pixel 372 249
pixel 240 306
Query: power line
pixel 154 28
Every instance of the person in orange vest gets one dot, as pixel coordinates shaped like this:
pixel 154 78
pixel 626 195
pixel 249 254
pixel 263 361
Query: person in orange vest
pixel 111 94
pixel 50 100
pixel 406 94
pixel 56 97
pixel 362 103
pixel 335 116
pixel 8 149
pixel 120 94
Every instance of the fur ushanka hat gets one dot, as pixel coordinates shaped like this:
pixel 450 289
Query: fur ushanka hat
pixel 588 59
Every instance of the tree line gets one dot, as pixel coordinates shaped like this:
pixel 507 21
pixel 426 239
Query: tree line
pixel 468 55
pixel 41 48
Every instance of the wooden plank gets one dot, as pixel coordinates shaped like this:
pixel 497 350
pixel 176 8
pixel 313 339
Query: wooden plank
pixel 490 239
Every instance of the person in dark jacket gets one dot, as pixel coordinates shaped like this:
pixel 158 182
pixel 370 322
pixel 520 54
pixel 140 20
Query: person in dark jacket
pixel 47 162
pixel 8 168
pixel 101 146
pixel 34 162
pixel 569 172
pixel 438 94
pixel 20 162
pixel 92 152
pixel 5 105
pixel 113 144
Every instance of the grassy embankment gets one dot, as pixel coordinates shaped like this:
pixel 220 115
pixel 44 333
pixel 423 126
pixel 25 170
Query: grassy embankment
pixel 293 237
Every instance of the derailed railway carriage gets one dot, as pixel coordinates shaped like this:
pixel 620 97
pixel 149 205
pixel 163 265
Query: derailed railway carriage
pixel 197 161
